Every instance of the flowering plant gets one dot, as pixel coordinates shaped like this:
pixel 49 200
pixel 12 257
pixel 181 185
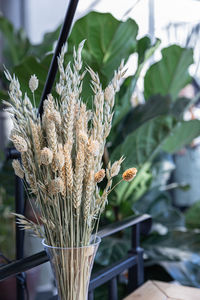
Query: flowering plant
pixel 61 152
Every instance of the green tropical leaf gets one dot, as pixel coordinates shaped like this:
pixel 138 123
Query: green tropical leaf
pixel 159 205
pixel 140 114
pixel 180 106
pixel 143 144
pixel 170 74
pixel 140 147
pixel 183 135
pixel 145 50
pixel 102 51
pixel 108 41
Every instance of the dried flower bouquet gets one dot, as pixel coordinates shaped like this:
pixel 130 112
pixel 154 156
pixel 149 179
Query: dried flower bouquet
pixel 61 161
pixel 61 153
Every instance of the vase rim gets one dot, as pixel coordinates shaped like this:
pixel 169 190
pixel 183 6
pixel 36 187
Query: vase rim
pixel 96 238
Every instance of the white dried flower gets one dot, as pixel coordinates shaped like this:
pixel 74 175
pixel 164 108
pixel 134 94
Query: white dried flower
pixel 33 83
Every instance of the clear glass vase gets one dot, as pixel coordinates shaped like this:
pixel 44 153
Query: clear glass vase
pixel 72 269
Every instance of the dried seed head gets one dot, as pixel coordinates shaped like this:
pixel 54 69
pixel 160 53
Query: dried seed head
pixel 43 220
pixel 33 83
pixel 129 174
pixel 99 176
pixel 60 147
pixel 59 160
pixel 55 116
pixel 93 147
pixel 51 134
pixel 48 104
pixel 56 186
pixel 20 143
pixel 109 93
pixel 32 182
pixel 59 88
pixel 36 140
pixel 69 167
pixel 83 137
pixel 17 168
pixel 116 167
pixel 51 225
pixel 46 156
pixel 13 133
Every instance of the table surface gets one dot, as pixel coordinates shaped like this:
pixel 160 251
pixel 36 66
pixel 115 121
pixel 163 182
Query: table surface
pixel 157 290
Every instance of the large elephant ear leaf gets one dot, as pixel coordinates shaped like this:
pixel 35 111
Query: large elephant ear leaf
pixel 145 50
pixel 108 41
pixel 170 74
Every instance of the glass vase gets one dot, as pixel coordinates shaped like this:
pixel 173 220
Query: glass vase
pixel 72 269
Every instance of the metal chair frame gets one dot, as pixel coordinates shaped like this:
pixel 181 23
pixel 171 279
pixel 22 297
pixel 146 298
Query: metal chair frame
pixel 133 262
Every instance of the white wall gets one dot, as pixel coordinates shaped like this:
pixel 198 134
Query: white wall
pixel 175 11
pixel 12 10
pixel 45 15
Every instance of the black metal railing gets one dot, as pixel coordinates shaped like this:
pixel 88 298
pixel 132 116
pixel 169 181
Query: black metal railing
pixel 133 262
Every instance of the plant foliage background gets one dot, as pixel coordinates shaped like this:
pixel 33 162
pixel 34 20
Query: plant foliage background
pixel 147 135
